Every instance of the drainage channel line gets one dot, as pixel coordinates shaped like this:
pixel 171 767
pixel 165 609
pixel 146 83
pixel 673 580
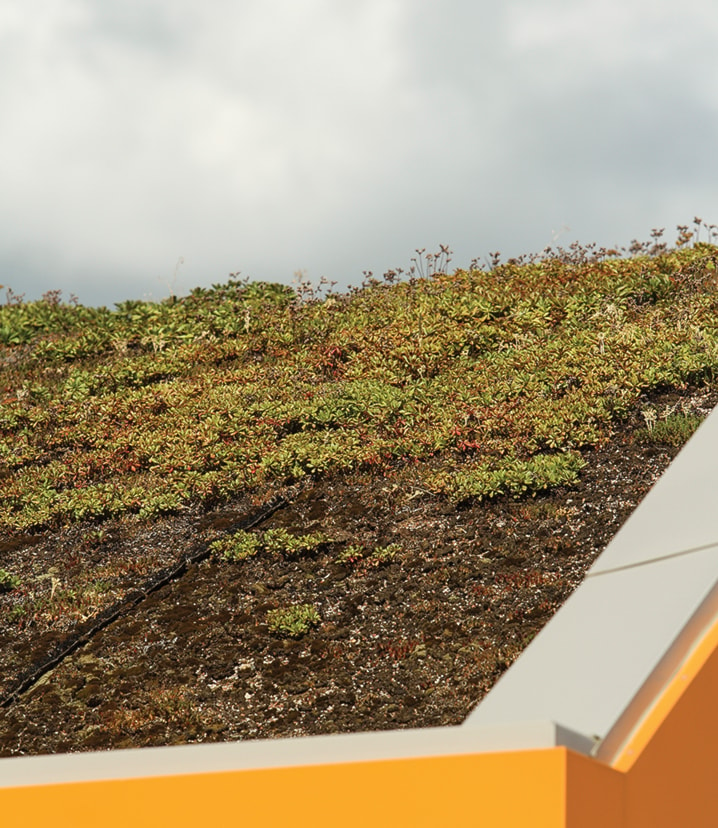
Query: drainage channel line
pixel 133 599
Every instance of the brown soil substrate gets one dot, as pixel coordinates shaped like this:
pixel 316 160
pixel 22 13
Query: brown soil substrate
pixel 413 642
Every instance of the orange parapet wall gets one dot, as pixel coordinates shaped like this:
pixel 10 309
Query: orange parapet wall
pixel 521 788
pixel 671 763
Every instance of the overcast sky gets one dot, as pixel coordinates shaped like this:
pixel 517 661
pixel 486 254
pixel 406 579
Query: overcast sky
pixel 149 146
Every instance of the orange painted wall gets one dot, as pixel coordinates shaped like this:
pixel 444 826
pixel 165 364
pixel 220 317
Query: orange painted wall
pixel 514 789
pixel 594 794
pixel 672 764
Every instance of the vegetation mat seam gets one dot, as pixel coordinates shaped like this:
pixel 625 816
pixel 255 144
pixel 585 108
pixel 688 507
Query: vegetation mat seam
pixel 155 582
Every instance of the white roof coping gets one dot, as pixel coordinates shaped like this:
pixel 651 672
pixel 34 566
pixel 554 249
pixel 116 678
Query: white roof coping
pixel 281 753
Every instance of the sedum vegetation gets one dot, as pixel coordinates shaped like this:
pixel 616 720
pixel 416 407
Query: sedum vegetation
pixel 491 381
pixel 294 621
pixel 241 545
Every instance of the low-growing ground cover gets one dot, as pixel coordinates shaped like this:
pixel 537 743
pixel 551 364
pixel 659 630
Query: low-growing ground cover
pixel 444 457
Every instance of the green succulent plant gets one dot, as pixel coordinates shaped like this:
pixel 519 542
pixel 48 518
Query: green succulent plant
pixel 8 582
pixel 294 621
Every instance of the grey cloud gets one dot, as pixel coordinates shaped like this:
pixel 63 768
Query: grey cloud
pixel 306 134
